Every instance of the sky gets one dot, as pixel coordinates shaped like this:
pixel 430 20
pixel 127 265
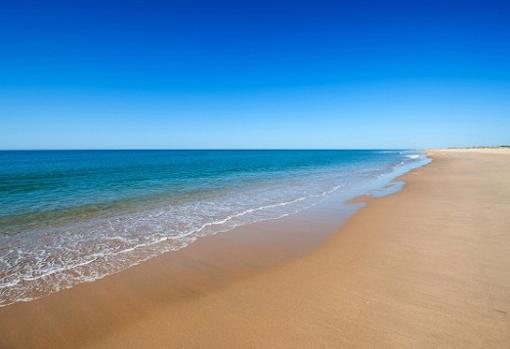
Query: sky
pixel 254 74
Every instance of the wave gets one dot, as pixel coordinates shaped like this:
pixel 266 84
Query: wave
pixel 32 268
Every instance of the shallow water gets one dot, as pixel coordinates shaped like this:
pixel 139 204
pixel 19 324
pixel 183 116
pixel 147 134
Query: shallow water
pixel 74 216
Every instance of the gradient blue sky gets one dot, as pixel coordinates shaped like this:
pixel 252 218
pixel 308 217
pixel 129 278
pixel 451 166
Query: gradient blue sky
pixel 254 74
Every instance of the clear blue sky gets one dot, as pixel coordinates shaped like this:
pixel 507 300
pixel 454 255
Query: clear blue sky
pixel 254 74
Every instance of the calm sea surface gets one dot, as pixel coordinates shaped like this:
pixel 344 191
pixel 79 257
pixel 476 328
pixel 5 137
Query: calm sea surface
pixel 73 216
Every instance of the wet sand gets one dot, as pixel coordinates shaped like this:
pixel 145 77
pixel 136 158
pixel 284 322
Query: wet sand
pixel 426 267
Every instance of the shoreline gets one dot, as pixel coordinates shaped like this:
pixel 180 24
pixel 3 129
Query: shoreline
pixel 374 283
pixel 30 281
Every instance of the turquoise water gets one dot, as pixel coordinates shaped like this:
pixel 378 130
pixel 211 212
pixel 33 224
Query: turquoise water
pixel 73 216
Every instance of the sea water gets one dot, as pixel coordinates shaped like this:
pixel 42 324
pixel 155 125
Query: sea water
pixel 68 217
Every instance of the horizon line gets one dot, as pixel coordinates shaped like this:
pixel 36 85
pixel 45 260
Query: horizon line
pixel 196 149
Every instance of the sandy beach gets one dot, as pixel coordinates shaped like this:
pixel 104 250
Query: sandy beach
pixel 428 267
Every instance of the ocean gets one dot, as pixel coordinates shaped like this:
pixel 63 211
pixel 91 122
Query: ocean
pixel 68 217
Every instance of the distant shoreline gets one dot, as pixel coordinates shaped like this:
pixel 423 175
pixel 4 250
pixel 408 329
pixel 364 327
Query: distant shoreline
pixel 480 147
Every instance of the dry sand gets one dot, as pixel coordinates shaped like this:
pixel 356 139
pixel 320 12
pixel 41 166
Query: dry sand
pixel 427 267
